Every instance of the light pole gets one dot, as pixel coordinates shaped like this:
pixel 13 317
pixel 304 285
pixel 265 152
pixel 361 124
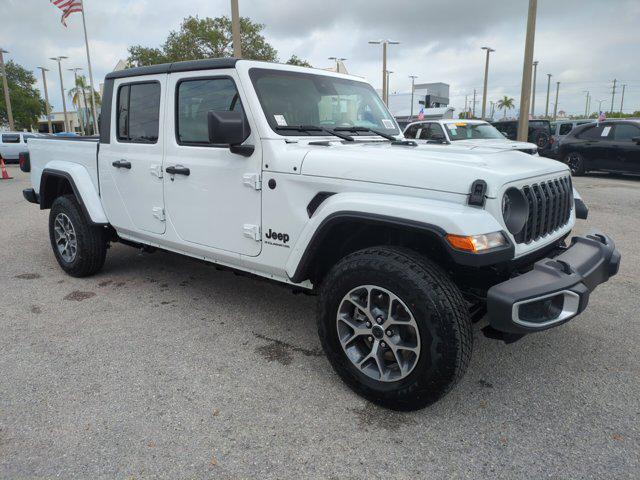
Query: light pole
pixel 337 60
pixel 64 103
pixel 385 44
pixel 75 77
pixel 613 93
pixel 555 105
pixel 389 72
pixel 586 103
pixel 474 104
pixel 235 29
pixel 600 106
pixel 486 75
pixel 533 89
pixel 46 97
pixel 546 109
pixel 413 88
pixel 624 86
pixel 5 82
pixel 525 92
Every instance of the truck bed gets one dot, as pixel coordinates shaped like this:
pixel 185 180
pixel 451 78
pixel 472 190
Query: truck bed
pixel 56 151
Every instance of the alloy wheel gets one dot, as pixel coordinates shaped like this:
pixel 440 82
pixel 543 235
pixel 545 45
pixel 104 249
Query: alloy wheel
pixel 65 238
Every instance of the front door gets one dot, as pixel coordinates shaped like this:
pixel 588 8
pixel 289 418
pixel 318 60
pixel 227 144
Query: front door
pixel 213 197
pixel 626 151
pixel 131 163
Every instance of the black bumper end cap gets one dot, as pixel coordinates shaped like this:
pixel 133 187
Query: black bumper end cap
pixel 30 195
pixel 582 211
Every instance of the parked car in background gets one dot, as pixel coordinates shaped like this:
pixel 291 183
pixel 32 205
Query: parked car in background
pixel 472 133
pixel 12 143
pixel 561 129
pixel 539 133
pixel 612 146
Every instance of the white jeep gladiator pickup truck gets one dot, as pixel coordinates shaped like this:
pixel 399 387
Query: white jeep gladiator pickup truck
pixel 303 177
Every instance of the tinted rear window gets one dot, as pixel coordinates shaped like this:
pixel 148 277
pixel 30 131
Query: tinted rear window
pixel 11 138
pixel 139 112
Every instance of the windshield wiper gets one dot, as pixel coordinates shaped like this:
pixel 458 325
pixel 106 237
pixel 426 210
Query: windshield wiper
pixel 366 129
pixel 315 128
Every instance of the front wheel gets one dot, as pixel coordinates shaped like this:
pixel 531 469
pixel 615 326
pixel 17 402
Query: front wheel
pixel 575 161
pixel 80 247
pixel 394 327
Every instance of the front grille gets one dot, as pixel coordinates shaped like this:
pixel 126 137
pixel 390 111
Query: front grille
pixel 550 204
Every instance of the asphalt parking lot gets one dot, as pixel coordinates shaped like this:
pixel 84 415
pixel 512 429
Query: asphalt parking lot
pixel 161 366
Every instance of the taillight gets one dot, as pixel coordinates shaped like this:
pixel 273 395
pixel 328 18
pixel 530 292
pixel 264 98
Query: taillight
pixel 25 161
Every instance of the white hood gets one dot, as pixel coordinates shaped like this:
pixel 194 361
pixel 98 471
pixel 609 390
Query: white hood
pixel 502 144
pixel 447 168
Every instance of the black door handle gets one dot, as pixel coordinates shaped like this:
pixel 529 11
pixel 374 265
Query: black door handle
pixel 122 164
pixel 178 170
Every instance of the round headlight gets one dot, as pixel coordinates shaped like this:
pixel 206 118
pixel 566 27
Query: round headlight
pixel 515 210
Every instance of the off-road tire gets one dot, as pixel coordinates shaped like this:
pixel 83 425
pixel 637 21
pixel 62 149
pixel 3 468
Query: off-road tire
pixel 91 239
pixel 439 310
pixel 575 162
pixel 541 138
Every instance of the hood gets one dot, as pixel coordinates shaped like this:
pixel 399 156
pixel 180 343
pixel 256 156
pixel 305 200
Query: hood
pixel 446 168
pixel 502 144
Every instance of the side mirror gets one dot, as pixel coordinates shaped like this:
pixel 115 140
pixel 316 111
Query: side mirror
pixel 636 140
pixel 229 128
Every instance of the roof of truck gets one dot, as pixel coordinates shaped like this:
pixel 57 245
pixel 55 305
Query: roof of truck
pixel 188 66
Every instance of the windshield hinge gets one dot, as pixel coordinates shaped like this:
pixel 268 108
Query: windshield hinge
pixel 253 180
pixel 252 231
pixel 158 212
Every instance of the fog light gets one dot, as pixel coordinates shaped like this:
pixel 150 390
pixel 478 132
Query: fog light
pixel 542 310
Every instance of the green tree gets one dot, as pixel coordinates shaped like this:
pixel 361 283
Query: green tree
pixel 80 96
pixel 26 104
pixel 295 60
pixel 200 38
pixel 505 103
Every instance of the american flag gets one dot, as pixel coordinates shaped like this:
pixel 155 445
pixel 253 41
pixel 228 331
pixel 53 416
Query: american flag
pixel 421 114
pixel 68 7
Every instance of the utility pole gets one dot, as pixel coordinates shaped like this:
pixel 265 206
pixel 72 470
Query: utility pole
pixel 473 114
pixel 525 93
pixel 492 109
pixel 5 82
pixel 486 75
pixel 546 110
pixel 389 72
pixel 586 103
pixel 466 106
pixel 67 128
pixel 413 88
pixel 235 29
pixel 622 99
pixel 613 94
pixel 533 89
pixel 75 77
pixel 337 60
pixel 385 87
pixel 555 105
pixel 96 127
pixel 46 98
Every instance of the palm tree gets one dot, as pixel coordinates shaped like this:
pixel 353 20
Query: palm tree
pixel 505 103
pixel 78 96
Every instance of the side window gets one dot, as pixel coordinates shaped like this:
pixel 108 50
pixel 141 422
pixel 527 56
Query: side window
pixel 625 132
pixel 138 112
pixel 11 138
pixel 195 99
pixel 429 130
pixel 592 132
pixel 565 128
pixel 412 131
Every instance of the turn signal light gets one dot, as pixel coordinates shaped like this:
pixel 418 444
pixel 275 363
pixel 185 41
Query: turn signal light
pixel 476 243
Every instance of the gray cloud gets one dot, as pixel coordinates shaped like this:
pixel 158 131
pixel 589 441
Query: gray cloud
pixel 583 43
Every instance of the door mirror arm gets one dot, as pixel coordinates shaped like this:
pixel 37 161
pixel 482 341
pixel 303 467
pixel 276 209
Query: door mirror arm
pixel 230 129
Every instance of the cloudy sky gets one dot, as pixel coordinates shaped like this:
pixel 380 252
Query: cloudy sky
pixel 584 44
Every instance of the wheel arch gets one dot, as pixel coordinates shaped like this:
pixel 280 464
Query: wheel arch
pixel 55 182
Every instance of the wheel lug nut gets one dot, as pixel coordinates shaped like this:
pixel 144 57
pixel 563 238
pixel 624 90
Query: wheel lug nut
pixel 368 324
pixel 370 338
pixel 380 320
pixel 390 333
pixel 383 345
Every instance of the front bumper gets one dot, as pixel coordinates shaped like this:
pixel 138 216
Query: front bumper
pixel 556 289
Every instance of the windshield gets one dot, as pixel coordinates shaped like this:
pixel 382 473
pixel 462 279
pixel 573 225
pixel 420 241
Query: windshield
pixel 472 131
pixel 295 98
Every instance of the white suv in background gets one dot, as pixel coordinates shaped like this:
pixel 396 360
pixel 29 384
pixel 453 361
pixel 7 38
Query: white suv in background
pixel 471 133
pixel 12 143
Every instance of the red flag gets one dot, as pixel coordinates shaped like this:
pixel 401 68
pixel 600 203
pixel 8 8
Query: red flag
pixel 68 7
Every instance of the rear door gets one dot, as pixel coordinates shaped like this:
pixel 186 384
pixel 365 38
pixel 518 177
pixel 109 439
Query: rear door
pixel 626 152
pixel 131 164
pixel 214 200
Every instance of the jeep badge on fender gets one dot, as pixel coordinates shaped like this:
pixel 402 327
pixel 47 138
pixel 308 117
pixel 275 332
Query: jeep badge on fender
pixel 282 237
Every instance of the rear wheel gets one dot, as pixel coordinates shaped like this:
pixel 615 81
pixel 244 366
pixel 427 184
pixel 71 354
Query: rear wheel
pixel 575 161
pixel 80 247
pixel 394 327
